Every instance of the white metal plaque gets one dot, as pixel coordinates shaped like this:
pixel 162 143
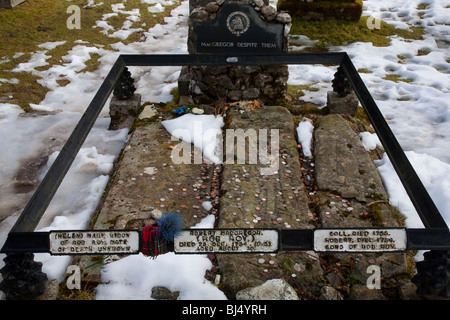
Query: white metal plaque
pixel 226 241
pixel 94 242
pixel 360 240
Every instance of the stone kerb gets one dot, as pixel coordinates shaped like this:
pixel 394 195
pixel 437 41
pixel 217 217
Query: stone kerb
pixel 246 27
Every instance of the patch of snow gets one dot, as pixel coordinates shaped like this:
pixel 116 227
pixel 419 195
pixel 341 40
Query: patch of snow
pixel 201 130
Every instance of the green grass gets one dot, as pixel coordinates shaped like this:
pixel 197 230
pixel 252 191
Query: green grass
pixel 342 32
pixel 35 22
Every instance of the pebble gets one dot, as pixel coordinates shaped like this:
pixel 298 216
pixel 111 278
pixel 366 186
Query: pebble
pixel 261 260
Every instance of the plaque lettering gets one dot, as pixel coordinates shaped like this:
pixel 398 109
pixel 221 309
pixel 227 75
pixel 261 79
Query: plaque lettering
pixel 226 241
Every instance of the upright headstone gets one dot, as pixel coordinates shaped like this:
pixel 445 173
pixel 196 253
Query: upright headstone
pixel 234 28
pixel 10 3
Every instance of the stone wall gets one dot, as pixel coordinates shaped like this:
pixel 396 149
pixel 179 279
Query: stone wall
pixel 207 84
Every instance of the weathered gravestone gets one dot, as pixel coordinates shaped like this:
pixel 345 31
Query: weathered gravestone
pixel 235 28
